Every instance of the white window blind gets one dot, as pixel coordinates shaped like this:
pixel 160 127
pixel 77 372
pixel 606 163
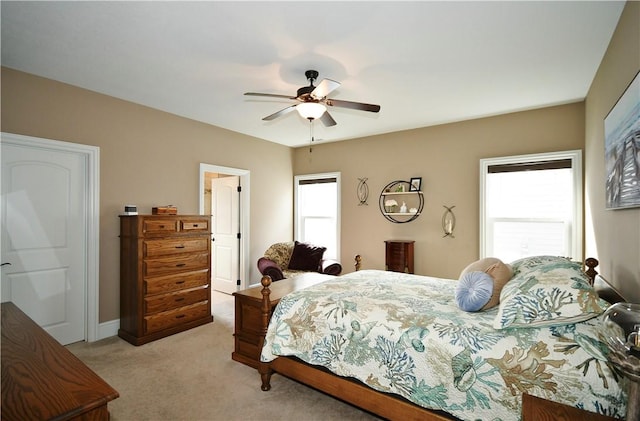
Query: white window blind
pixel 531 205
pixel 317 205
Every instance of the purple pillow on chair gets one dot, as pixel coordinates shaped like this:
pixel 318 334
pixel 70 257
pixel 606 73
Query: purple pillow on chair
pixel 306 257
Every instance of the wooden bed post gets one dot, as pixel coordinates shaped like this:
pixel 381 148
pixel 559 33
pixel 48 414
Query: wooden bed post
pixel 265 314
pixel 591 272
pixel 358 260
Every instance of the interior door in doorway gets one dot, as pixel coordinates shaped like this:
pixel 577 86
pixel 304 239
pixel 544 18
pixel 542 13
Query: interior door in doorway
pixel 225 229
pixel 44 237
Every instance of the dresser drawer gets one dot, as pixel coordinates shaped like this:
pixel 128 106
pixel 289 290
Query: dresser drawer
pixel 176 264
pixel 162 284
pixel 154 248
pixel 157 226
pixel 168 319
pixel 195 225
pixel 165 302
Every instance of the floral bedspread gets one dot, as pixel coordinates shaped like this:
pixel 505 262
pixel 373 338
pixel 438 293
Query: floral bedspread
pixel 404 334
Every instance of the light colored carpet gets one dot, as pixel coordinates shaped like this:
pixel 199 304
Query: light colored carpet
pixel 191 376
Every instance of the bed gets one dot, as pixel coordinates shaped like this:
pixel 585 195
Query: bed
pixel 400 346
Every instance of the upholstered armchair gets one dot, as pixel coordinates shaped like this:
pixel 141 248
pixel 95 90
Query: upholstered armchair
pixel 285 260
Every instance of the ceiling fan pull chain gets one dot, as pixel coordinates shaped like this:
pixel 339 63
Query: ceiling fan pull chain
pixel 311 135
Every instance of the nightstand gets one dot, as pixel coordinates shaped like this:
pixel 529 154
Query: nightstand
pixel 538 409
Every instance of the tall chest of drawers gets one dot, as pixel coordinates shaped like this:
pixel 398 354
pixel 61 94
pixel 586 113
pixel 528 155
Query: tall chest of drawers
pixel 164 275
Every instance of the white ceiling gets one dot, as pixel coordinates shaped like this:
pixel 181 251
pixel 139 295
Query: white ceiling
pixel 424 62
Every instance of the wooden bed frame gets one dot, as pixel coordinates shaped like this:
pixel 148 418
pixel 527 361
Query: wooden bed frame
pixel 386 405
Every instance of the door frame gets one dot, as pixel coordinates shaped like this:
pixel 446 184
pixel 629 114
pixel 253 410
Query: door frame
pixel 244 211
pixel 91 155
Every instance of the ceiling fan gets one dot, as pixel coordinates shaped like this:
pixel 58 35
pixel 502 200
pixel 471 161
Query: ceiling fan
pixel 312 101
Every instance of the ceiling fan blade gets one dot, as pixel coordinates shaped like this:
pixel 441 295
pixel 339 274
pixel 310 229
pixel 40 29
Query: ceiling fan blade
pixel 327 120
pixel 353 105
pixel 280 113
pixel 270 95
pixel 324 88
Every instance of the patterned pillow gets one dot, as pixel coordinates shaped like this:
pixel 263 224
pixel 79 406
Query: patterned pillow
pixel 280 253
pixel 547 291
pixel 529 264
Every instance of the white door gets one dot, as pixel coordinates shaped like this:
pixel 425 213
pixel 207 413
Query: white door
pixel 225 228
pixel 44 237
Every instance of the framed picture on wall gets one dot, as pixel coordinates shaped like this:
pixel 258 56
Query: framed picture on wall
pixel 415 184
pixel 622 149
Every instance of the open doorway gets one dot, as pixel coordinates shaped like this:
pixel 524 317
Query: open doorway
pixel 224 196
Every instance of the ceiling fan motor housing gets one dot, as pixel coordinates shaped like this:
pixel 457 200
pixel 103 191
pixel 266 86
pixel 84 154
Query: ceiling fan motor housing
pixel 312 75
pixel 304 93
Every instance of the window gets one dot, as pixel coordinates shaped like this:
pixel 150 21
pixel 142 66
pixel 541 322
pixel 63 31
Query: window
pixel 317 211
pixel 531 205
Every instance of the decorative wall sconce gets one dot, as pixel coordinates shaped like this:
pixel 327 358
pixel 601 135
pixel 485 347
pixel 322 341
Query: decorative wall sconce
pixel 363 191
pixel 448 221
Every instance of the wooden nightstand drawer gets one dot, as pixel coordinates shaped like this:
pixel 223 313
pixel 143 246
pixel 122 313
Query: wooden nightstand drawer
pixel 191 262
pixel 536 409
pixel 155 248
pixel 169 319
pixel 165 302
pixel 170 283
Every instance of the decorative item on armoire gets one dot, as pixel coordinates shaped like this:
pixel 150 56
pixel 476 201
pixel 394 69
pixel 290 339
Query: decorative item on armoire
pixel 448 221
pixel 363 191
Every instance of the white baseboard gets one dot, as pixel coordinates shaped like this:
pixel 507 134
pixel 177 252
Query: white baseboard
pixel 108 329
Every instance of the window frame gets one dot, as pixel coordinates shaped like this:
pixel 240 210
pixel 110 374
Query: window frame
pixel 296 216
pixel 575 156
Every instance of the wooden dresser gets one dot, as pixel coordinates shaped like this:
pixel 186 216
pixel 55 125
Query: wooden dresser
pixel 248 326
pixel 399 255
pixel 164 275
pixel 42 380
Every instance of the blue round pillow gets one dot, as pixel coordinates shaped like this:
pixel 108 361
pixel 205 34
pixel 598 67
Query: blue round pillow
pixel 474 290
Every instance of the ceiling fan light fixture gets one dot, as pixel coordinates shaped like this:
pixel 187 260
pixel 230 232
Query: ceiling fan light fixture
pixel 311 110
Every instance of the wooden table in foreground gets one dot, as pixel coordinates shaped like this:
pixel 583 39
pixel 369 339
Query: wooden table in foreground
pixel 538 409
pixel 248 325
pixel 42 380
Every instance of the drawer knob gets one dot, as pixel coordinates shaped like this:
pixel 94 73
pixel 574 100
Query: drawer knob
pixel 180 316
pixel 179 299
pixel 179 265
pixel 161 226
pixel 195 225
pixel 180 247
pixel 179 282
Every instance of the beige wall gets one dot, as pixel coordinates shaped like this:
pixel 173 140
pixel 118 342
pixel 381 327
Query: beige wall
pixel 149 158
pixel 152 158
pixel 613 235
pixel 447 158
